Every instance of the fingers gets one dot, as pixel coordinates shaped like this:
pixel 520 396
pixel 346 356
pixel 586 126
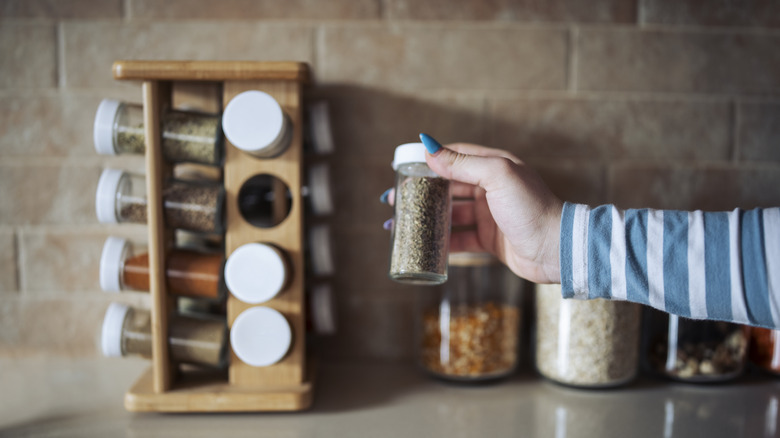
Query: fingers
pixel 484 171
pixel 465 241
pixel 483 151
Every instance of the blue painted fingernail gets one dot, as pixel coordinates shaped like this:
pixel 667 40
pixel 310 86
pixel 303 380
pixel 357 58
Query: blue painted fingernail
pixel 430 143
pixel 383 198
pixel 388 224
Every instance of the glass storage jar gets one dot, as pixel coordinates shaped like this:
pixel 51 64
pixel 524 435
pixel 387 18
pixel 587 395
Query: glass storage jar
pixel 694 350
pixel 469 328
pixel 127 331
pixel 189 273
pixel 188 205
pixel 592 343
pixel 186 136
pixel 260 336
pixel 255 123
pixel 256 272
pixel 420 235
pixel 764 350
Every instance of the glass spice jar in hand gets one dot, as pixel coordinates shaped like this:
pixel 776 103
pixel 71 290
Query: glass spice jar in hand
pixel 188 205
pixel 421 222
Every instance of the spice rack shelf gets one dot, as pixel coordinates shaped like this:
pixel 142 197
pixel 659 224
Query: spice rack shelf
pixel 287 384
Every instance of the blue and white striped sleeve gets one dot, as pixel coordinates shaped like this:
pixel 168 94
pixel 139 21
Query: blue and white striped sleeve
pixel 702 265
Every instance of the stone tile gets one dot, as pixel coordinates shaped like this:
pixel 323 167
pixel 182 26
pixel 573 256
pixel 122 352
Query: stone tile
pixel 746 13
pixel 612 129
pixel 29 55
pixel 55 9
pixel 90 48
pixel 248 9
pixel 611 11
pixel 368 124
pixel 758 131
pixel 356 191
pixel 442 57
pixel 678 61
pixel 362 260
pixel 60 261
pixel 9 281
pixel 48 194
pixel 579 182
pixel 680 187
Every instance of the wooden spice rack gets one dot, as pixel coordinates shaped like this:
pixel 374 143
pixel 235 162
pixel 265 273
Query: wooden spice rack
pixel 286 385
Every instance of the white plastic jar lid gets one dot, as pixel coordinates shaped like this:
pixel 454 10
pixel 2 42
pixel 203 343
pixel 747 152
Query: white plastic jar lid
pixel 105 196
pixel 254 122
pixel 323 313
pixel 319 189
pixel 103 129
pixel 321 250
pixel 111 334
pixel 114 252
pixel 255 272
pixel 260 336
pixel 409 153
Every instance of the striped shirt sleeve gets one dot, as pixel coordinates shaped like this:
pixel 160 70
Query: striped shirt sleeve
pixel 701 265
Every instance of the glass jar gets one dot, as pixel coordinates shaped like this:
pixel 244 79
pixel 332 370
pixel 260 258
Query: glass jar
pixel 188 205
pixel 127 331
pixel 256 272
pixel 764 349
pixel 694 350
pixel 260 336
pixel 469 328
pixel 421 221
pixel 592 343
pixel 189 273
pixel 186 136
pixel 320 251
pixel 255 123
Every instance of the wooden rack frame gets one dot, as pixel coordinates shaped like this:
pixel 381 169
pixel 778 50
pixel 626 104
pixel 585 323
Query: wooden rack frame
pixel 285 386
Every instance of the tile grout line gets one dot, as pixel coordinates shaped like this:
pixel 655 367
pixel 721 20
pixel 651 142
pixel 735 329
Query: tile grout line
pixel 20 277
pixel 60 53
pixel 573 59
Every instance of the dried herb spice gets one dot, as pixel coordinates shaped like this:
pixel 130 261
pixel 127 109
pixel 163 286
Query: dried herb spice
pixel 421 230
pixel 472 341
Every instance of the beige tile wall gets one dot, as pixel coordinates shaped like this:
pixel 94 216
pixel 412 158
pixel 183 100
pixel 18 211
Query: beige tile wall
pixel 660 103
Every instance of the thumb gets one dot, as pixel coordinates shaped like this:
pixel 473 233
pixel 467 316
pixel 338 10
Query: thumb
pixel 477 170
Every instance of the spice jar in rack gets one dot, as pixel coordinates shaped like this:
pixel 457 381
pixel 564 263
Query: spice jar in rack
pixel 764 349
pixel 187 205
pixel 694 350
pixel 254 122
pixel 186 136
pixel 589 344
pixel 188 272
pixel 127 331
pixel 421 221
pixel 256 272
pixel 469 328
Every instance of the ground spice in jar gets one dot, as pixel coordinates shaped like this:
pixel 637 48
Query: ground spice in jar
pixel 187 273
pixel 473 341
pixel 193 207
pixel 421 227
pixel 764 348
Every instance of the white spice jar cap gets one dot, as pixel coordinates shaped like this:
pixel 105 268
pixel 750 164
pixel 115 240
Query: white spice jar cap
pixel 114 251
pixel 254 122
pixel 320 193
pixel 323 312
pixel 255 272
pixel 321 250
pixel 103 129
pixel 105 196
pixel 260 336
pixel 111 334
pixel 409 153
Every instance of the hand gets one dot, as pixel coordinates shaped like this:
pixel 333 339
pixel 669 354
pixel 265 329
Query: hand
pixel 502 207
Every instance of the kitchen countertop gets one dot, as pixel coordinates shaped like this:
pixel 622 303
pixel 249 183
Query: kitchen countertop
pixel 79 397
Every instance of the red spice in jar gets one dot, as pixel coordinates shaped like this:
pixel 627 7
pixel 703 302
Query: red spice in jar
pixel 764 349
pixel 188 273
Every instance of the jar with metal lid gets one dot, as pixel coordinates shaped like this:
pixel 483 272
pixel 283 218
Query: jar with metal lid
pixel 256 272
pixel 469 328
pixel 127 331
pixel 420 235
pixel 189 273
pixel 187 136
pixel 764 350
pixel 586 343
pixel 694 350
pixel 254 122
pixel 189 205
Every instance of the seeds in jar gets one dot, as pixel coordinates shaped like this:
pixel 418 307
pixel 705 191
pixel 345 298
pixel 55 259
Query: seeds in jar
pixel 586 343
pixel 703 359
pixel 421 226
pixel 472 341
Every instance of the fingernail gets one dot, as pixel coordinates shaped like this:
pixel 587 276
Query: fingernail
pixel 383 198
pixel 388 224
pixel 430 143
